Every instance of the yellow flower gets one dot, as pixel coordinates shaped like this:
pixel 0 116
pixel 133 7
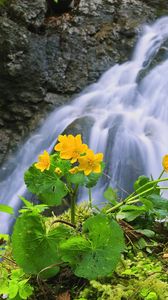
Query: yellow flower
pixel 74 170
pixel 44 162
pixel 58 171
pixel 62 142
pixel 70 147
pixel 165 162
pixel 90 162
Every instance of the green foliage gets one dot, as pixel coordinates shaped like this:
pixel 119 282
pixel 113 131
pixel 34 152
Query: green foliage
pixel 149 289
pixel 98 252
pixel 152 207
pixel 51 179
pixel 130 212
pixel 140 278
pixel 91 248
pixel 30 207
pixel 35 247
pixel 15 284
pixel 78 178
pixel 160 206
pixel 3 2
pixel 111 195
pixel 140 182
pixel 142 267
pixel 49 188
pixel 144 184
pixel 145 203
pixel 147 295
pixel 6 209
pixel 95 252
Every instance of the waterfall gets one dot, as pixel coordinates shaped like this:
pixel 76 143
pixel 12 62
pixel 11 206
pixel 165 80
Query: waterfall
pixel 128 113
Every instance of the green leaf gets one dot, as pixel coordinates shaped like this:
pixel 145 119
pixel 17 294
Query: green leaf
pixel 142 180
pixel 54 196
pixel 132 207
pixel 34 208
pixel 13 288
pixel 111 195
pixel 46 185
pixel 17 274
pixel 148 204
pixel 6 209
pixel 92 179
pixel 158 202
pixel 146 232
pixel 78 178
pixel 3 281
pixel 148 295
pixel 143 183
pixel 26 202
pixel 72 247
pixel 141 243
pixel 160 206
pixel 152 296
pixel 128 215
pixel 98 250
pixel 25 289
pixel 56 162
pixel 35 247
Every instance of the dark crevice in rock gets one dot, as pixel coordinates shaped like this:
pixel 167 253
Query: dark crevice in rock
pixel 41 30
pixel 59 7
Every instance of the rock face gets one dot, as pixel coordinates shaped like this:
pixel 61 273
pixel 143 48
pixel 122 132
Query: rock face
pixel 48 54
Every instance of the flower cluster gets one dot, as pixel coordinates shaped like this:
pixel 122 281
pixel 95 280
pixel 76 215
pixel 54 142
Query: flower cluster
pixel 72 148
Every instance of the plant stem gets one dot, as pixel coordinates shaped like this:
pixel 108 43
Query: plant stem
pixel 73 204
pixel 129 199
pixel 133 201
pixel 161 174
pixel 140 194
pixel 115 207
pixel 145 185
pixel 63 222
pixel 90 198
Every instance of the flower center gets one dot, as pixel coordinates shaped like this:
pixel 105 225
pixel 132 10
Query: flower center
pixel 76 152
pixel 90 162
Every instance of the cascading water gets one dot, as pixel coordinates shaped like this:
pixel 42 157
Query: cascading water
pixel 129 120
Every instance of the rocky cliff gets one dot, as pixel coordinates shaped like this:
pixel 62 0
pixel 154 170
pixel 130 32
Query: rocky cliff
pixel 49 52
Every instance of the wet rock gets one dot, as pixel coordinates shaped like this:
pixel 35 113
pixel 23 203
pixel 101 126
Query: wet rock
pixel 81 126
pixel 5 142
pixel 55 100
pixel 28 12
pixel 49 57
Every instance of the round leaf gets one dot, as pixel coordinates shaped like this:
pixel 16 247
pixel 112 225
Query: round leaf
pixel 34 247
pixel 100 253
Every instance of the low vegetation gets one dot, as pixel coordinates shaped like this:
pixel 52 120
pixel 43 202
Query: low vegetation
pixel 117 252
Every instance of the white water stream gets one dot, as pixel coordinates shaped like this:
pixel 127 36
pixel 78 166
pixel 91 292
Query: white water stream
pixel 129 122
